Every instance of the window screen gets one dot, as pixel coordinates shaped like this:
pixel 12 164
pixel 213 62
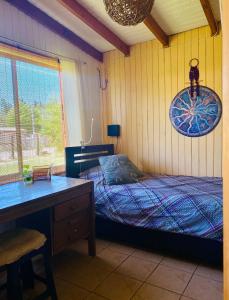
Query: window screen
pixel 31 120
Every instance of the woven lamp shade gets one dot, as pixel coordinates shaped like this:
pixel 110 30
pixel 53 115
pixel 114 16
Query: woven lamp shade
pixel 128 12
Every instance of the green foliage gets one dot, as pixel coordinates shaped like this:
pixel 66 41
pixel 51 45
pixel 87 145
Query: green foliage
pixel 29 117
pixel 27 174
pixel 44 119
pixel 26 170
pixel 52 124
pixel 5 107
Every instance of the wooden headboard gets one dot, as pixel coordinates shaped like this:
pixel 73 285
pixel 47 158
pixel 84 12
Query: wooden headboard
pixel 81 158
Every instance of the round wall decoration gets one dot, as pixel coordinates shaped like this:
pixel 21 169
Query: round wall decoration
pixel 198 115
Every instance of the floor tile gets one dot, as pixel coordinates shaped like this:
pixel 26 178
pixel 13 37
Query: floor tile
pixel 147 255
pixel 121 248
pixel 118 287
pixel 210 272
pixel 101 244
pixel 112 258
pixel 179 264
pixel 149 292
pixel 68 291
pixel 201 288
pixel 68 260
pixel 79 276
pixel 80 246
pixel 95 297
pixel 172 279
pixel 69 256
pixel 87 275
pixel 87 272
pixel 88 278
pixel 137 268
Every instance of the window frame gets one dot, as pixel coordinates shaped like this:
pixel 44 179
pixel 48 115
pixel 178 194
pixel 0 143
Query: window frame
pixel 14 55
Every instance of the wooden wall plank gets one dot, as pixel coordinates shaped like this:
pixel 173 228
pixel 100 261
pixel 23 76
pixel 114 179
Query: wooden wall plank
pixel 142 87
pixel 187 140
pixel 128 103
pixel 139 120
pixel 225 25
pixel 118 89
pixel 123 106
pixel 149 59
pixel 108 109
pixel 162 116
pixel 144 105
pixel 210 83
pixel 202 66
pixel 103 102
pixel 180 86
pixel 195 141
pixel 133 104
pixel 156 102
pixel 218 89
pixel 174 73
pixel 168 96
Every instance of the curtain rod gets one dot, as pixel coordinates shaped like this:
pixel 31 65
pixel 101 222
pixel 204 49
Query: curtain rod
pixel 35 50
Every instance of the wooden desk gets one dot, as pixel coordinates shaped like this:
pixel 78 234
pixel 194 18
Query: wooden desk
pixel 62 208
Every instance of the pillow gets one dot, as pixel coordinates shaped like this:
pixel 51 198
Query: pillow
pixel 92 173
pixel 118 169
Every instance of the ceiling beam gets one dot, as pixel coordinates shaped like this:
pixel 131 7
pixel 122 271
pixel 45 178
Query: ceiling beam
pixel 85 16
pixel 42 18
pixel 210 17
pixel 157 30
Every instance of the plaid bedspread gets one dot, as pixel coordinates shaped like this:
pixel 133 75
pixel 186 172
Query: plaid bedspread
pixel 181 204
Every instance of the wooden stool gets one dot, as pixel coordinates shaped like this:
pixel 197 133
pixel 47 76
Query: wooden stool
pixel 17 248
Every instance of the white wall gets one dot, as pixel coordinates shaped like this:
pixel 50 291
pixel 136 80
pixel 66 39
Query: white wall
pixel 17 26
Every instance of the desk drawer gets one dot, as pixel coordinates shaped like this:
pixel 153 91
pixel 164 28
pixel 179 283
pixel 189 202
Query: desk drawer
pixel 70 207
pixel 70 230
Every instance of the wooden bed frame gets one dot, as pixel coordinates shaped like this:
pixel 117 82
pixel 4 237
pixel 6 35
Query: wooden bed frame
pixel 79 159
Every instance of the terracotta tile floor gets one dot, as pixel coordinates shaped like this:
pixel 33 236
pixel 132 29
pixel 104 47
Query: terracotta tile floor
pixel 119 272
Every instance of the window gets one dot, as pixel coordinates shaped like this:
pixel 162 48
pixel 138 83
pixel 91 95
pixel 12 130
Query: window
pixel 31 118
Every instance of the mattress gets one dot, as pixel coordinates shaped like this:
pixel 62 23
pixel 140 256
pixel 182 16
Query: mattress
pixel 180 204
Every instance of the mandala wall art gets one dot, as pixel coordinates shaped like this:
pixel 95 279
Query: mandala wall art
pixel 197 115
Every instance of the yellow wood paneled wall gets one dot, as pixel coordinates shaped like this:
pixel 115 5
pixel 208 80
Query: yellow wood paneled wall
pixel 225 25
pixel 140 90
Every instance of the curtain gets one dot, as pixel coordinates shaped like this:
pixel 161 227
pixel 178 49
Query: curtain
pixel 71 96
pixel 81 96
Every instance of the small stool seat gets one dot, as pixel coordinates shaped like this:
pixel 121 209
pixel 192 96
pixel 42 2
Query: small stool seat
pixel 19 242
pixel 17 249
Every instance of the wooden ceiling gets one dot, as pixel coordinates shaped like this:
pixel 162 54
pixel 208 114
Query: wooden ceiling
pixel 88 20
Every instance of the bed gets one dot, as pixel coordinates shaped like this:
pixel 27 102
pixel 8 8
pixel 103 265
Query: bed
pixel 178 214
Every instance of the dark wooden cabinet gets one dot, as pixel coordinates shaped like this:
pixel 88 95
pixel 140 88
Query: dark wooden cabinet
pixel 72 206
pixel 71 222
pixel 63 209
